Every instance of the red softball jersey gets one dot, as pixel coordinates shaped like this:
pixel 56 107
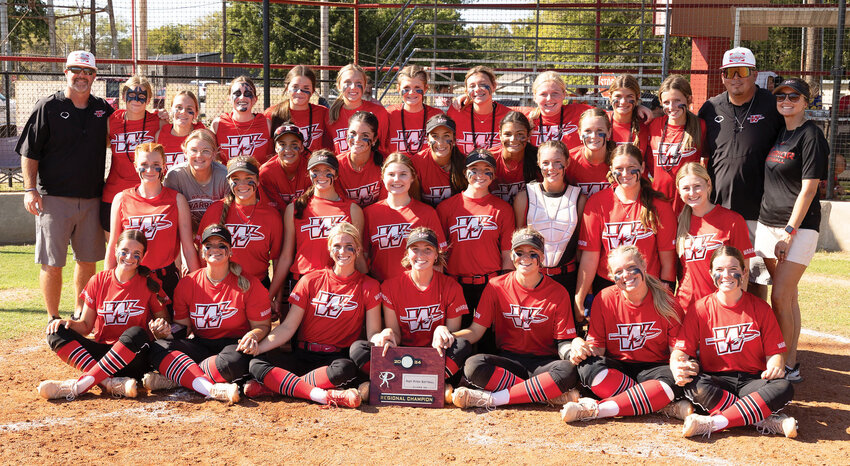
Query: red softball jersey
pixel 124 136
pixel 590 177
pixel 173 145
pixel 526 321
pixel 311 233
pixel 337 136
pixel 312 123
pixel 386 233
pixel 433 180
pixel 158 219
pixel 257 233
pixel 278 188
pixel 420 312
pixel 664 163
pixel 510 178
pixel 608 223
pixel 363 186
pixel 334 307
pixel 563 126
pixel 735 338
pixel 623 134
pixel 244 139
pixel 407 130
pixel 718 227
pixel 478 131
pixel 478 231
pixel 119 305
pixel 629 332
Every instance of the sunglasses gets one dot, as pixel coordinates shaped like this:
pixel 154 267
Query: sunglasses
pixel 792 96
pixel 741 71
pixel 81 70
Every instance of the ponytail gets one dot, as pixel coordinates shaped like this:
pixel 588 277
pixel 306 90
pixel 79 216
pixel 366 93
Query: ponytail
pixel 225 208
pixel 300 203
pixel 662 299
pixel 648 212
pixel 152 284
pixel 684 226
pixel 457 167
pixel 243 282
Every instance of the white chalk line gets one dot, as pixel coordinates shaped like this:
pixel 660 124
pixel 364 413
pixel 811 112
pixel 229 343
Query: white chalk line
pixel 826 336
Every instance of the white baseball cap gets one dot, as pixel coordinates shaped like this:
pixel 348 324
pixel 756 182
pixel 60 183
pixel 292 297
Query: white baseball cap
pixel 739 56
pixel 80 58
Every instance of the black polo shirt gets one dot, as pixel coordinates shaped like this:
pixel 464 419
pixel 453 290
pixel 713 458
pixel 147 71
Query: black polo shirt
pixel 69 145
pixel 736 156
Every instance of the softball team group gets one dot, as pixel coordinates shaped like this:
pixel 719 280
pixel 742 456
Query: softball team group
pixel 568 255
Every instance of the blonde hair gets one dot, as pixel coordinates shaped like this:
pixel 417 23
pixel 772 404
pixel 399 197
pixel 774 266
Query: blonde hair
pixel 627 81
pixel 345 228
pixel 528 230
pixel 413 72
pixel 441 255
pixel 542 78
pixel 137 81
pixel 693 135
pixel 149 147
pixel 661 297
pixel 480 69
pixel 690 168
pixel 194 98
pixel 204 135
pixel 597 112
pixel 333 112
pixel 415 190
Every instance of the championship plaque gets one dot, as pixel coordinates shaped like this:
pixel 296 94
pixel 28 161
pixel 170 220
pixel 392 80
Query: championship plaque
pixel 407 376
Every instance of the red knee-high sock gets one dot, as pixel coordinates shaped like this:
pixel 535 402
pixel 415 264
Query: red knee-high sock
pixel 727 400
pixel 287 384
pixel 209 368
pixel 614 383
pixel 113 361
pixel 181 369
pixel 451 367
pixel 746 411
pixel 76 356
pixel 501 379
pixel 318 378
pixel 366 369
pixel 538 388
pixel 644 398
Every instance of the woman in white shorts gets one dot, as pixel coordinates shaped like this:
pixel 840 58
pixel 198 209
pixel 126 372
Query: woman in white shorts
pixel 787 233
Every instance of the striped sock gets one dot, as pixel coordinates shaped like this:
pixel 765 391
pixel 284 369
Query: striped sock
pixel 181 369
pixel 746 411
pixel 451 367
pixel 113 361
pixel 76 356
pixel 643 398
pixel 210 369
pixel 536 389
pixel 318 378
pixel 727 400
pixel 501 379
pixel 610 382
pixel 287 384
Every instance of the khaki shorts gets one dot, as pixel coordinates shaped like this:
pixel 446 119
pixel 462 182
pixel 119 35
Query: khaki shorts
pixel 66 220
pixel 802 249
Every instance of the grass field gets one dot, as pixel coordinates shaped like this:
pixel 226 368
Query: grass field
pixel 824 293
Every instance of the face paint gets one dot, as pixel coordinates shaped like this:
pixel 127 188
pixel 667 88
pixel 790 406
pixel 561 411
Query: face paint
pixel 474 87
pixel 248 181
pixel 628 273
pixel 719 276
pixel 302 91
pixel 348 86
pixel 124 254
pixel 617 101
pixel 208 247
pixel 556 165
pixel 519 255
pixel 138 94
pixel 329 176
pixel 412 91
pixel 238 94
pixel 473 172
pixel 622 172
pixel 347 248
pixel 142 170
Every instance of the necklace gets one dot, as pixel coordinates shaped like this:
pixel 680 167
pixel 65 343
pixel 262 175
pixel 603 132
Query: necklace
pixel 242 214
pixel 560 126
pixel 215 282
pixel 783 140
pixel 740 123
pixel 472 125
pixel 236 126
pixel 422 134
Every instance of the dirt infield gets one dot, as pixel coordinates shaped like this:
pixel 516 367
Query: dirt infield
pixel 182 427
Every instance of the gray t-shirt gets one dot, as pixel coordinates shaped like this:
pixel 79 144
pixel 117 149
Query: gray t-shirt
pixel 199 196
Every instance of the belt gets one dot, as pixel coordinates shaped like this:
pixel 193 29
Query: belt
pixel 317 347
pixel 476 279
pixel 561 269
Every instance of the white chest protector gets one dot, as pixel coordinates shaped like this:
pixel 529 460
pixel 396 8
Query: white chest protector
pixel 555 217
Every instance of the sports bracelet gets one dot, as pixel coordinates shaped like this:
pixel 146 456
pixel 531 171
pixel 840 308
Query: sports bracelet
pixel 30 189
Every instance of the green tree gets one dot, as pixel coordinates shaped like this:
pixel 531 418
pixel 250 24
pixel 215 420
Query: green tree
pixel 166 40
pixel 27 27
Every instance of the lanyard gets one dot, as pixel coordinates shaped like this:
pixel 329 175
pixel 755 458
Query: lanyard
pixel 144 123
pixel 472 124
pixel 422 134
pixel 560 126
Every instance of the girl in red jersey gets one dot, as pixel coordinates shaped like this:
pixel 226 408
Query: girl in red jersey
pixel 243 132
pixel 311 119
pixel 255 227
pixel 516 160
pixel 127 129
pixel 478 226
pixel 440 166
pixel 408 120
pixel 553 207
pixel 530 316
pixel 478 119
pixel 389 220
pixel 285 176
pixel 422 307
pixel 328 310
pixel 703 227
pixel 184 110
pixel 359 166
pixel 588 168
pixel 552 119
pixel 118 305
pixel 735 339
pixel 627 125
pixel 626 358
pixel 161 213
pixel 675 140
pixel 632 213
pixel 227 313
pixel 351 83
pixel 306 223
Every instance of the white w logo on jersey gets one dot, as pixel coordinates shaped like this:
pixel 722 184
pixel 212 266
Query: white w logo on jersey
pixel 731 339
pixel 287 197
pixel 633 336
pixel 366 194
pixel 127 142
pixel 697 247
pixel 341 139
pixel 319 227
pixel 507 191
pixel 669 155
pixel 173 159
pixel 437 194
pixel 391 236
pixel 243 144
pixel 470 227
pixel 408 140
pixel 624 233
pixel 311 133
pixel 243 234
pixel 332 305
pixel 211 315
pixel 523 316
pixel 482 140
pixel 545 133
pixel 119 312
pixel 422 319
pixel 147 224
pixel 588 189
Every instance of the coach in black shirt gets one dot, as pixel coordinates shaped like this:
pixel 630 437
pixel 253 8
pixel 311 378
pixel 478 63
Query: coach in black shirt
pixel 63 156
pixel 741 126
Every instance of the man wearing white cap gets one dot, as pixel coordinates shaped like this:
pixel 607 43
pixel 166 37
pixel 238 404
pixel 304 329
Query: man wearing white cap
pixel 63 156
pixel 741 126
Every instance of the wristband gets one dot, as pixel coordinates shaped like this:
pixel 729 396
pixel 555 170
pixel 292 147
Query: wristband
pixel 30 189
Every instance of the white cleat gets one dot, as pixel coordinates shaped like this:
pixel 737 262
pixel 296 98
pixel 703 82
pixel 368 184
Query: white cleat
pixel 678 409
pixel 564 398
pixel 155 381
pixel 696 424
pixel 585 409
pixel 226 392
pixel 778 423
pixel 465 397
pixel 120 386
pixel 55 389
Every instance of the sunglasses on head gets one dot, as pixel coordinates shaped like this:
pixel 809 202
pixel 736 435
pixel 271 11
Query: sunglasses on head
pixel 792 96
pixel 741 71
pixel 80 69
